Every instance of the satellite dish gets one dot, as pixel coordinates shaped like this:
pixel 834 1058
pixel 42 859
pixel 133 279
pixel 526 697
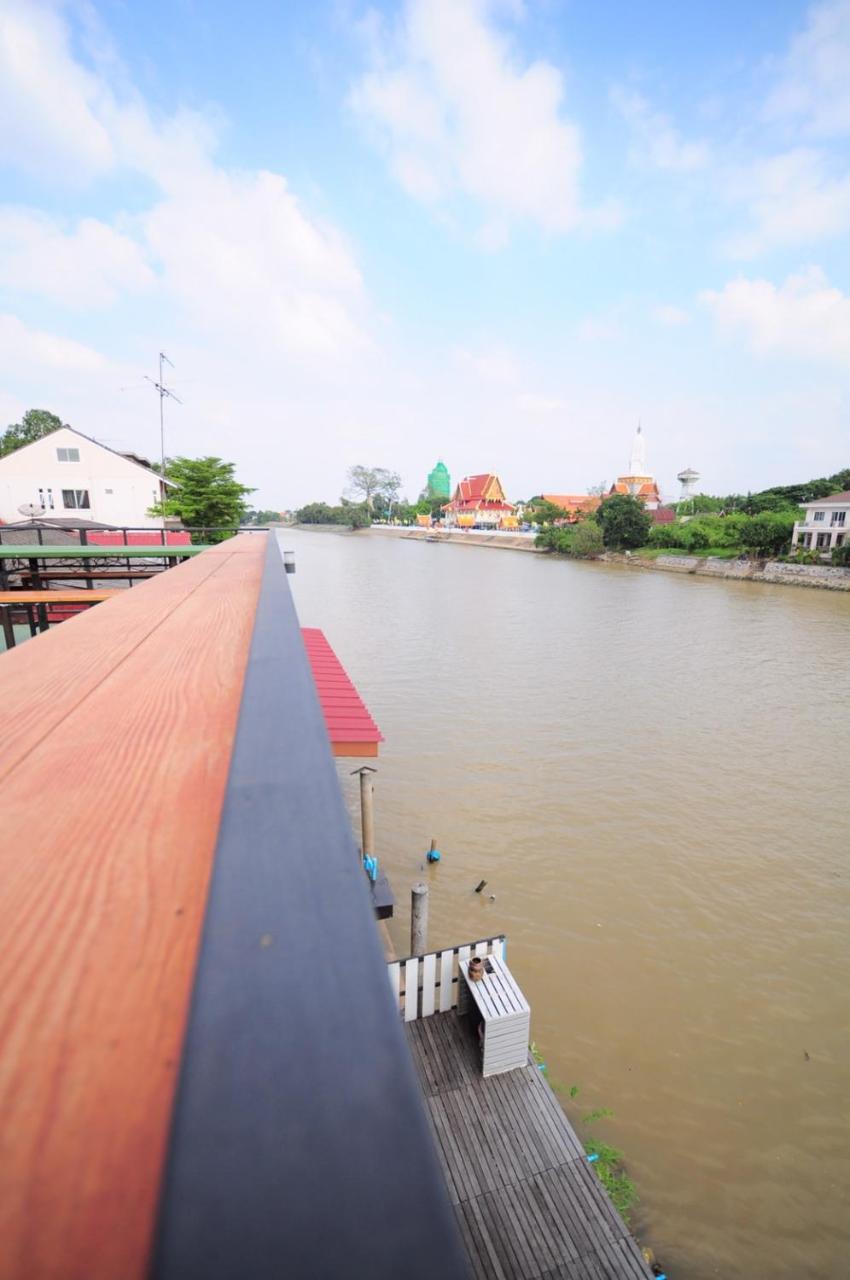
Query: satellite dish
pixel 31 509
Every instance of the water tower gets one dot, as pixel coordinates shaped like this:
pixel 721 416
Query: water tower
pixel 687 479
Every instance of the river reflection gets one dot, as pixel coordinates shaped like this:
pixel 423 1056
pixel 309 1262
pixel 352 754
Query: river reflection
pixel 651 772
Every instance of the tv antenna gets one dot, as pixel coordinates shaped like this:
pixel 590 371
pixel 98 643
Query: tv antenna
pixel 163 392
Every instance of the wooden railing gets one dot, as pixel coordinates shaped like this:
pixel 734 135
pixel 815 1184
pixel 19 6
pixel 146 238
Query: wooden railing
pixel 167 989
pixel 422 985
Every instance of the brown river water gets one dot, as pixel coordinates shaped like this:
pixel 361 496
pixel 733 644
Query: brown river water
pixel 652 773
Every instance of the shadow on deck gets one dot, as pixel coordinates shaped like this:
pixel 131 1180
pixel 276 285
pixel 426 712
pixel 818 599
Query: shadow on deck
pixel 526 1200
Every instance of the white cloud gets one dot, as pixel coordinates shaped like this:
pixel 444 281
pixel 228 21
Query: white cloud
pixel 655 142
pixel 792 199
pixel 61 120
pixel 460 116
pixel 240 253
pixel 237 251
pixel 49 105
pixel 23 348
pixel 604 326
pixel 530 402
pixel 672 317
pixel 489 364
pixel 805 316
pixel 814 82
pixel 87 267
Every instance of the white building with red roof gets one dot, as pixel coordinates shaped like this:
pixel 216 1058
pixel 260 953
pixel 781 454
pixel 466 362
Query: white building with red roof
pixel 826 523
pixel 479 502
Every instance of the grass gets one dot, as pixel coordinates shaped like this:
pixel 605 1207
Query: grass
pixel 719 553
pixel 608 1164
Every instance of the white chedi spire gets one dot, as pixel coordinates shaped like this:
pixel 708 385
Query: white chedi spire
pixel 637 459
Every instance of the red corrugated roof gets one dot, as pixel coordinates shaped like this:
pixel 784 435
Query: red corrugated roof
pixel 351 729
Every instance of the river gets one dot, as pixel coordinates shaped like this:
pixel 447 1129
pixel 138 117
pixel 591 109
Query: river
pixel 652 773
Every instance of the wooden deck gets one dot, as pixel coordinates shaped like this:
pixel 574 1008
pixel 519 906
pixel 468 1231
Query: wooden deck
pixel 526 1199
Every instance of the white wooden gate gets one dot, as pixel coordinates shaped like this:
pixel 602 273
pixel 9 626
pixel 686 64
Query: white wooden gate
pixel 427 984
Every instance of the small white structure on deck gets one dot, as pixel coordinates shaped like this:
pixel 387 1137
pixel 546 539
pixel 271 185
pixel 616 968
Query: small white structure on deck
pixel 504 1012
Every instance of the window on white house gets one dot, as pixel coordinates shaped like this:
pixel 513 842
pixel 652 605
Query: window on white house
pixel 805 540
pixel 45 499
pixel 824 540
pixel 839 539
pixel 75 499
pixel 108 491
pixel 819 515
pixel 838 517
pixel 68 455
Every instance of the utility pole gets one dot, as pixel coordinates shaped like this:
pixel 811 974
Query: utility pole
pixel 163 391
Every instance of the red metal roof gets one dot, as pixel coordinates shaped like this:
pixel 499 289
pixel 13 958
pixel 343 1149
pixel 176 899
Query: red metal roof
pixel 351 729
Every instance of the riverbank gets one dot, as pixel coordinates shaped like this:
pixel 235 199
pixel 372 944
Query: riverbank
pixel 461 537
pixel 824 576
pixel 777 572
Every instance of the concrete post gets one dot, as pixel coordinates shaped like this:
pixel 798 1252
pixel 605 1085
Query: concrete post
pixel 419 919
pixel 367 815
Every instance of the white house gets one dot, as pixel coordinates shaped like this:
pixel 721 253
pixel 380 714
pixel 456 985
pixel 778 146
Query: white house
pixel 826 525
pixel 70 476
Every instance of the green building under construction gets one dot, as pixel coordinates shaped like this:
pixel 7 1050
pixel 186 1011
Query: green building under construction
pixel 439 483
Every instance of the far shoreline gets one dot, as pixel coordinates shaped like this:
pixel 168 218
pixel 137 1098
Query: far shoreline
pixel 775 572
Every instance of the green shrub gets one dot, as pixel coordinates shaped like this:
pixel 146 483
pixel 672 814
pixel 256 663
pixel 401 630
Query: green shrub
pixel 662 536
pixel 694 537
pixel 841 555
pixel 587 539
pixel 555 538
pixel 768 534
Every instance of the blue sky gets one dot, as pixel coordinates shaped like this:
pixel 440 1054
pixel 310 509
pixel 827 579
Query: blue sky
pixel 492 231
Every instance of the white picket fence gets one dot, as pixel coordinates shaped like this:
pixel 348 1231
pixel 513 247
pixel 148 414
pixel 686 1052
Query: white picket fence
pixel 423 985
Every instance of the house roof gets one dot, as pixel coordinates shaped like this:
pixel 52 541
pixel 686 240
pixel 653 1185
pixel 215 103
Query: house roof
pixel 132 458
pixel 572 501
pixel 646 490
pixel 474 486
pixel 836 498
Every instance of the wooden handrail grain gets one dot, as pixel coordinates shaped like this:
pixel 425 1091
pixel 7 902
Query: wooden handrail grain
pixel 117 736
pixel 56 597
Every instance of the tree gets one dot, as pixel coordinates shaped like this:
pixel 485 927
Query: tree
pixel 260 517
pixel 597 490
pixel 34 424
pixel 624 521
pixel 207 495
pixel 366 482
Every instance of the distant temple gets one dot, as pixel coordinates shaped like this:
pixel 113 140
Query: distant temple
pixel 638 482
pixel 439 483
pixel 480 500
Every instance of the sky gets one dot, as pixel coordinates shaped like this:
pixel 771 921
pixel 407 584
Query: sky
pixel 496 232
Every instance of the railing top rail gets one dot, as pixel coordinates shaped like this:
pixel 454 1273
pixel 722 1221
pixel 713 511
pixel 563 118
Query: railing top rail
pixel 438 951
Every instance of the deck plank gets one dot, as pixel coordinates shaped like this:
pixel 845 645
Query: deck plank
pixel 100 920
pixel 528 1203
